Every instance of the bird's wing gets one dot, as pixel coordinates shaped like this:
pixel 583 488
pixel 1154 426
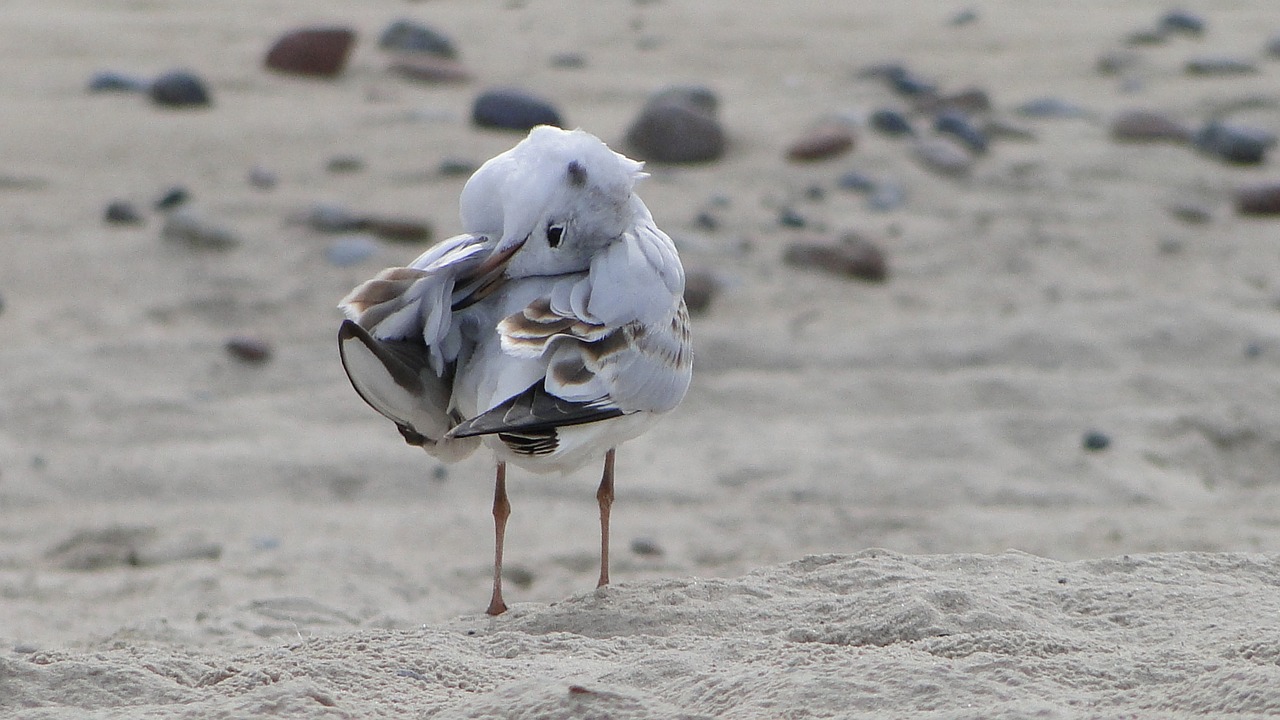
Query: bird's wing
pixel 615 342
pixel 399 344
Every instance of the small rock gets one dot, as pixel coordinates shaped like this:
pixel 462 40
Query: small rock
pixel 179 88
pixel 109 81
pixel 852 256
pixel 1095 441
pixel 569 61
pixel 172 198
pixel 344 164
pixel 700 289
pixel 788 217
pixel 398 230
pixel 249 349
pixel 1234 143
pixel 1051 107
pixel 1117 62
pixel 678 125
pixel 122 212
pixel 413 37
pixel 1219 65
pixel 944 157
pixel 972 101
pixel 705 220
pixel 187 228
pixel 316 52
pixel 1148 126
pixel 857 181
pixel 1259 199
pixel 1150 36
pixel 904 82
pixel 512 109
pixel 1182 21
pixel 262 178
pixel 966 16
pixel 455 167
pixel 350 250
pixel 827 141
pixel 647 547
pixel 891 122
pixel 429 68
pixel 330 218
pixel 1005 130
pixel 1272 48
pixel 1190 212
pixel 959 126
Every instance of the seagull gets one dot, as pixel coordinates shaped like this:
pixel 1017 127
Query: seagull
pixel 551 331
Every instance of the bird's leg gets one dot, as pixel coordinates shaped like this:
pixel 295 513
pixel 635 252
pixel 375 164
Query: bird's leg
pixel 604 496
pixel 501 511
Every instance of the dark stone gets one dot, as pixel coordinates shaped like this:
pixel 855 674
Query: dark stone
pixel 344 164
pixel 1051 107
pixel 1259 199
pixel 1095 440
pixel 700 288
pixel 1272 48
pixel 857 181
pixel 1233 143
pixel 455 167
pixel 788 217
pixel 512 109
pixel 122 212
pixel 678 125
pixel 959 126
pixel 852 256
pixel 1148 126
pixel 1182 21
pixel 887 196
pixel 262 178
pixel 824 142
pixel 891 122
pixel 647 547
pixel 399 229
pixel 330 218
pixel 109 81
pixel 249 349
pixel 410 36
pixel 1220 65
pixel 904 82
pixel 179 88
pixel 315 52
pixel 172 198
pixel 569 61
pixel 967 16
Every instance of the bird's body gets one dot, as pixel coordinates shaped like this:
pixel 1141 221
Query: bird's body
pixel 553 330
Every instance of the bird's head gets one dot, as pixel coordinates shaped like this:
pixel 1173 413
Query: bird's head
pixel 553 201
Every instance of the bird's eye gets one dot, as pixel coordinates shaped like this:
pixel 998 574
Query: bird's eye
pixel 555 233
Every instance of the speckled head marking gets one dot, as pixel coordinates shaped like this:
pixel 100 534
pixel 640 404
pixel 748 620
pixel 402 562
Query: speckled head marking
pixel 577 174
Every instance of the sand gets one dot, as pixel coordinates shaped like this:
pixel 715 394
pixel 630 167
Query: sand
pixel 186 534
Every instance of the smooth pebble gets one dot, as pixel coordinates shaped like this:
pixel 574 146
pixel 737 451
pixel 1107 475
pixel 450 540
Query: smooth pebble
pixel 110 81
pixel 944 157
pixel 851 256
pixel 185 227
pixel 891 122
pixel 179 89
pixel 513 109
pixel 1262 198
pixel 1148 126
pixel 678 125
pixel 410 36
pixel 122 212
pixel 822 143
pixel 316 52
pixel 1239 144
pixel 252 350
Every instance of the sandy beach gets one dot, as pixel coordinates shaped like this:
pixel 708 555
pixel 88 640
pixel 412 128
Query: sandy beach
pixel 1035 472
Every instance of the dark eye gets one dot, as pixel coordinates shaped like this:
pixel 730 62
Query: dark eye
pixel 554 234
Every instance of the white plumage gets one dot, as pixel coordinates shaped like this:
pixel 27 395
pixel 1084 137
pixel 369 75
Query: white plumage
pixel 553 330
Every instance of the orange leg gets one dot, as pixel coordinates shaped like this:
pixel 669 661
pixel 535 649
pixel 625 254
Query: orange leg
pixel 501 511
pixel 604 496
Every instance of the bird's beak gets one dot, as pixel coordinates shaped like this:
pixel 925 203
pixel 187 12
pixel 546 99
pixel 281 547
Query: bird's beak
pixel 488 276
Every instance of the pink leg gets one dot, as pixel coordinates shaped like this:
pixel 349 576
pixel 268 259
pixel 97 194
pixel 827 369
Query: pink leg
pixel 604 496
pixel 501 511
